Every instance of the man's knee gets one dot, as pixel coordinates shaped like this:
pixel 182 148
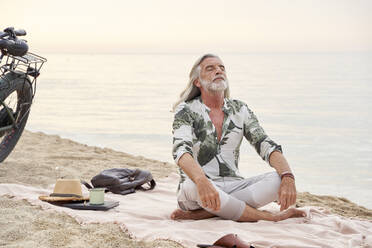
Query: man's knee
pixel 272 183
pixel 262 192
pixel 274 179
pixel 187 197
pixel 269 192
pixel 190 190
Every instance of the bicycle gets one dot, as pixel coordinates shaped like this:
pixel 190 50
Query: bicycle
pixel 18 76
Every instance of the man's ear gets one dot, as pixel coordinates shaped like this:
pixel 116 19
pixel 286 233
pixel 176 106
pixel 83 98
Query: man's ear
pixel 197 83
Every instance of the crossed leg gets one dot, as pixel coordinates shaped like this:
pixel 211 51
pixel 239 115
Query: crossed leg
pixel 239 201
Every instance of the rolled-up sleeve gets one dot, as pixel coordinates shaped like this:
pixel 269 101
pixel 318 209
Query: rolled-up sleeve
pixel 182 132
pixel 257 137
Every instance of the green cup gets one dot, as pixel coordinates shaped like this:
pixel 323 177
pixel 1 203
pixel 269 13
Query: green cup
pixel 97 196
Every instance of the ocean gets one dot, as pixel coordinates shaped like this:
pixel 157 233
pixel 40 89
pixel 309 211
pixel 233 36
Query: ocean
pixel 316 105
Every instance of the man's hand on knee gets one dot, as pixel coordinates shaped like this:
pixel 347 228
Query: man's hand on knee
pixel 208 194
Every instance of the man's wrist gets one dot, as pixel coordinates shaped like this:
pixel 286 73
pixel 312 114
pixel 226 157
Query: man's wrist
pixel 199 179
pixel 287 174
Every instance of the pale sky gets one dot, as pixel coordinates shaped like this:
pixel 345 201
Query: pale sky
pixel 192 26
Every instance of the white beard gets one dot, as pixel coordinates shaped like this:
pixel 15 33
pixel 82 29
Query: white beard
pixel 214 87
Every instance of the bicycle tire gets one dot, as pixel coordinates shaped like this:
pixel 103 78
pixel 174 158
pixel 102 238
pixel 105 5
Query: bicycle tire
pixel 19 84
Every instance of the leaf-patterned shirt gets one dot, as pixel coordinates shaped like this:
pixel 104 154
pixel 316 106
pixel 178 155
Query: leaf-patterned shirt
pixel 194 133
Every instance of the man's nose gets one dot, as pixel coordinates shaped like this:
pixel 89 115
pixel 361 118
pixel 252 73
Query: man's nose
pixel 219 71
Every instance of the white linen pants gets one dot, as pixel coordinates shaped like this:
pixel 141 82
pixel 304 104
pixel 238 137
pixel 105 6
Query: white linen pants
pixel 234 194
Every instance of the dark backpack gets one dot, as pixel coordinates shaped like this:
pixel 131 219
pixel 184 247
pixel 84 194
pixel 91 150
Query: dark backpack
pixel 123 181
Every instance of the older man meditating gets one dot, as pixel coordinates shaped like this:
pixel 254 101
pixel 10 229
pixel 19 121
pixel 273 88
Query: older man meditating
pixel 208 129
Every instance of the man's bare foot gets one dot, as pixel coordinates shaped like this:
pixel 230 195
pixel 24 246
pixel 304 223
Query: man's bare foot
pixel 199 214
pixel 290 213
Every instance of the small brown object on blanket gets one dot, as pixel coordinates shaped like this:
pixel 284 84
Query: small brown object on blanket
pixel 228 241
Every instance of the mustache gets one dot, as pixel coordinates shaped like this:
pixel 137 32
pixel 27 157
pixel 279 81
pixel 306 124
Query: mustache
pixel 219 77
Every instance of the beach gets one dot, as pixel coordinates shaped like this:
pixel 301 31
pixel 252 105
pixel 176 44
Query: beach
pixel 40 159
pixel 105 96
pixel 320 117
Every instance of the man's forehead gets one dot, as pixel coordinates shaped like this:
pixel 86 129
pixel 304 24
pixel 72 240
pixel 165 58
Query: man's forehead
pixel 211 61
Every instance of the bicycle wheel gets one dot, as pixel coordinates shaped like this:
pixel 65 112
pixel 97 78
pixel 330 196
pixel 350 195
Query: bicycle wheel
pixel 16 93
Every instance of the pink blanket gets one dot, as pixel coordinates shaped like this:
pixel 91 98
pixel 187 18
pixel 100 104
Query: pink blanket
pixel 146 216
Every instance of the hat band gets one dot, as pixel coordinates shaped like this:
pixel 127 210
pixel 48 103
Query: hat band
pixel 66 195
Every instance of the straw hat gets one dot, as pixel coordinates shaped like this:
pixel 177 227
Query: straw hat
pixel 65 190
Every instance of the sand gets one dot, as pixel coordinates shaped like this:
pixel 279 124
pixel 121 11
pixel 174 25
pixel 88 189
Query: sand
pixel 40 159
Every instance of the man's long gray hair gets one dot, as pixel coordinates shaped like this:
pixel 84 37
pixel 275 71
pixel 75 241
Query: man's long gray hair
pixel 191 90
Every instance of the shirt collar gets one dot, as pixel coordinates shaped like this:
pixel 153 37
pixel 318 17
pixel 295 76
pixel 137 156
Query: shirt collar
pixel 226 108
